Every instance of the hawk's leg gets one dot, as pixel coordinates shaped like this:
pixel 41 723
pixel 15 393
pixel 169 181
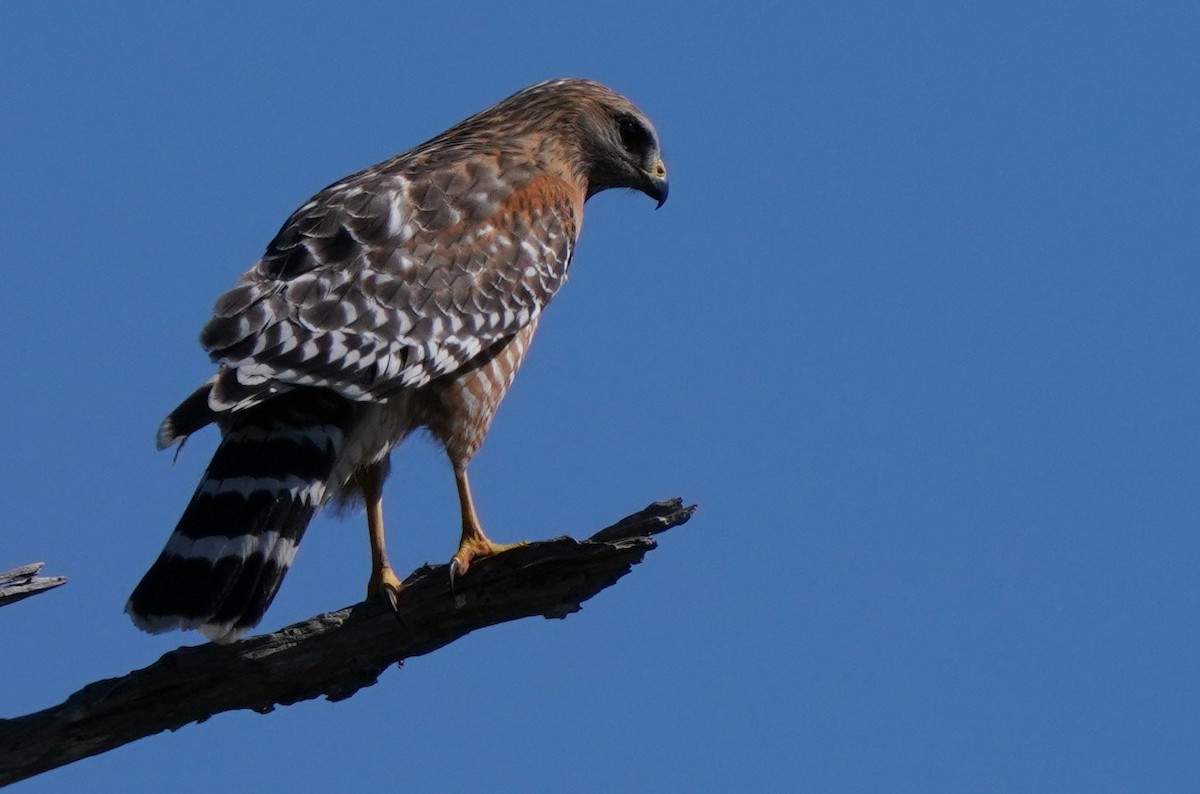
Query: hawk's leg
pixel 474 544
pixel 383 582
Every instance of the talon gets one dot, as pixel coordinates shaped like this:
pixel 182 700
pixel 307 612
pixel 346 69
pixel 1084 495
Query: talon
pixel 475 549
pixel 386 585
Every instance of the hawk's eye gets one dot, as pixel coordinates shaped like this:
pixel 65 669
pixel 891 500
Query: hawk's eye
pixel 634 135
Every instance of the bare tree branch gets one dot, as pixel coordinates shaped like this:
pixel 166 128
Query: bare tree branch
pixel 335 654
pixel 23 582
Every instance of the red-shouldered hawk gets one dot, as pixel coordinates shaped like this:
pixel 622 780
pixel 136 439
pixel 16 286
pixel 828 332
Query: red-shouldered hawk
pixel 403 296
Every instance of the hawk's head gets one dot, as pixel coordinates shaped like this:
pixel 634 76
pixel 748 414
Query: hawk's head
pixel 615 143
pixel 620 145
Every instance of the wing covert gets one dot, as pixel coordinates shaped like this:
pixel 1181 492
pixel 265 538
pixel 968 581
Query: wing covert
pixel 386 281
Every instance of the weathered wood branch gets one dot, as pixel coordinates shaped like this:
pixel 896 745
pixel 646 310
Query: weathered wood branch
pixel 23 582
pixel 335 654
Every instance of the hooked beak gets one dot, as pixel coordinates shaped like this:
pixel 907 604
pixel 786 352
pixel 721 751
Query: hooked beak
pixel 656 186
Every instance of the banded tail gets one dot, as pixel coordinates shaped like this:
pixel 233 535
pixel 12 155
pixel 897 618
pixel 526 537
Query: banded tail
pixel 235 541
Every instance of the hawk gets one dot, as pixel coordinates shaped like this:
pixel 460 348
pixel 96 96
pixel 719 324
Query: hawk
pixel 404 296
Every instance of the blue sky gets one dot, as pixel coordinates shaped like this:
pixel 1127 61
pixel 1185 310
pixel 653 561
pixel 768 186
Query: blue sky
pixel 917 330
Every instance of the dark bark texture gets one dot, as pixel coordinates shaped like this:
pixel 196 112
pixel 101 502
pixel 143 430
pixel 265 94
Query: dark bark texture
pixel 332 655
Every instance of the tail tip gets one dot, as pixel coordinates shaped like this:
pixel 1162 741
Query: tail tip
pixel 220 633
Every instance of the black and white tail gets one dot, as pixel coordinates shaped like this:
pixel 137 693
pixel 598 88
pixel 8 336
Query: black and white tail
pixel 236 539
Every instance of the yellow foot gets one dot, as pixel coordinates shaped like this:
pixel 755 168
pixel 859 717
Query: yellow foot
pixel 384 584
pixel 472 550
